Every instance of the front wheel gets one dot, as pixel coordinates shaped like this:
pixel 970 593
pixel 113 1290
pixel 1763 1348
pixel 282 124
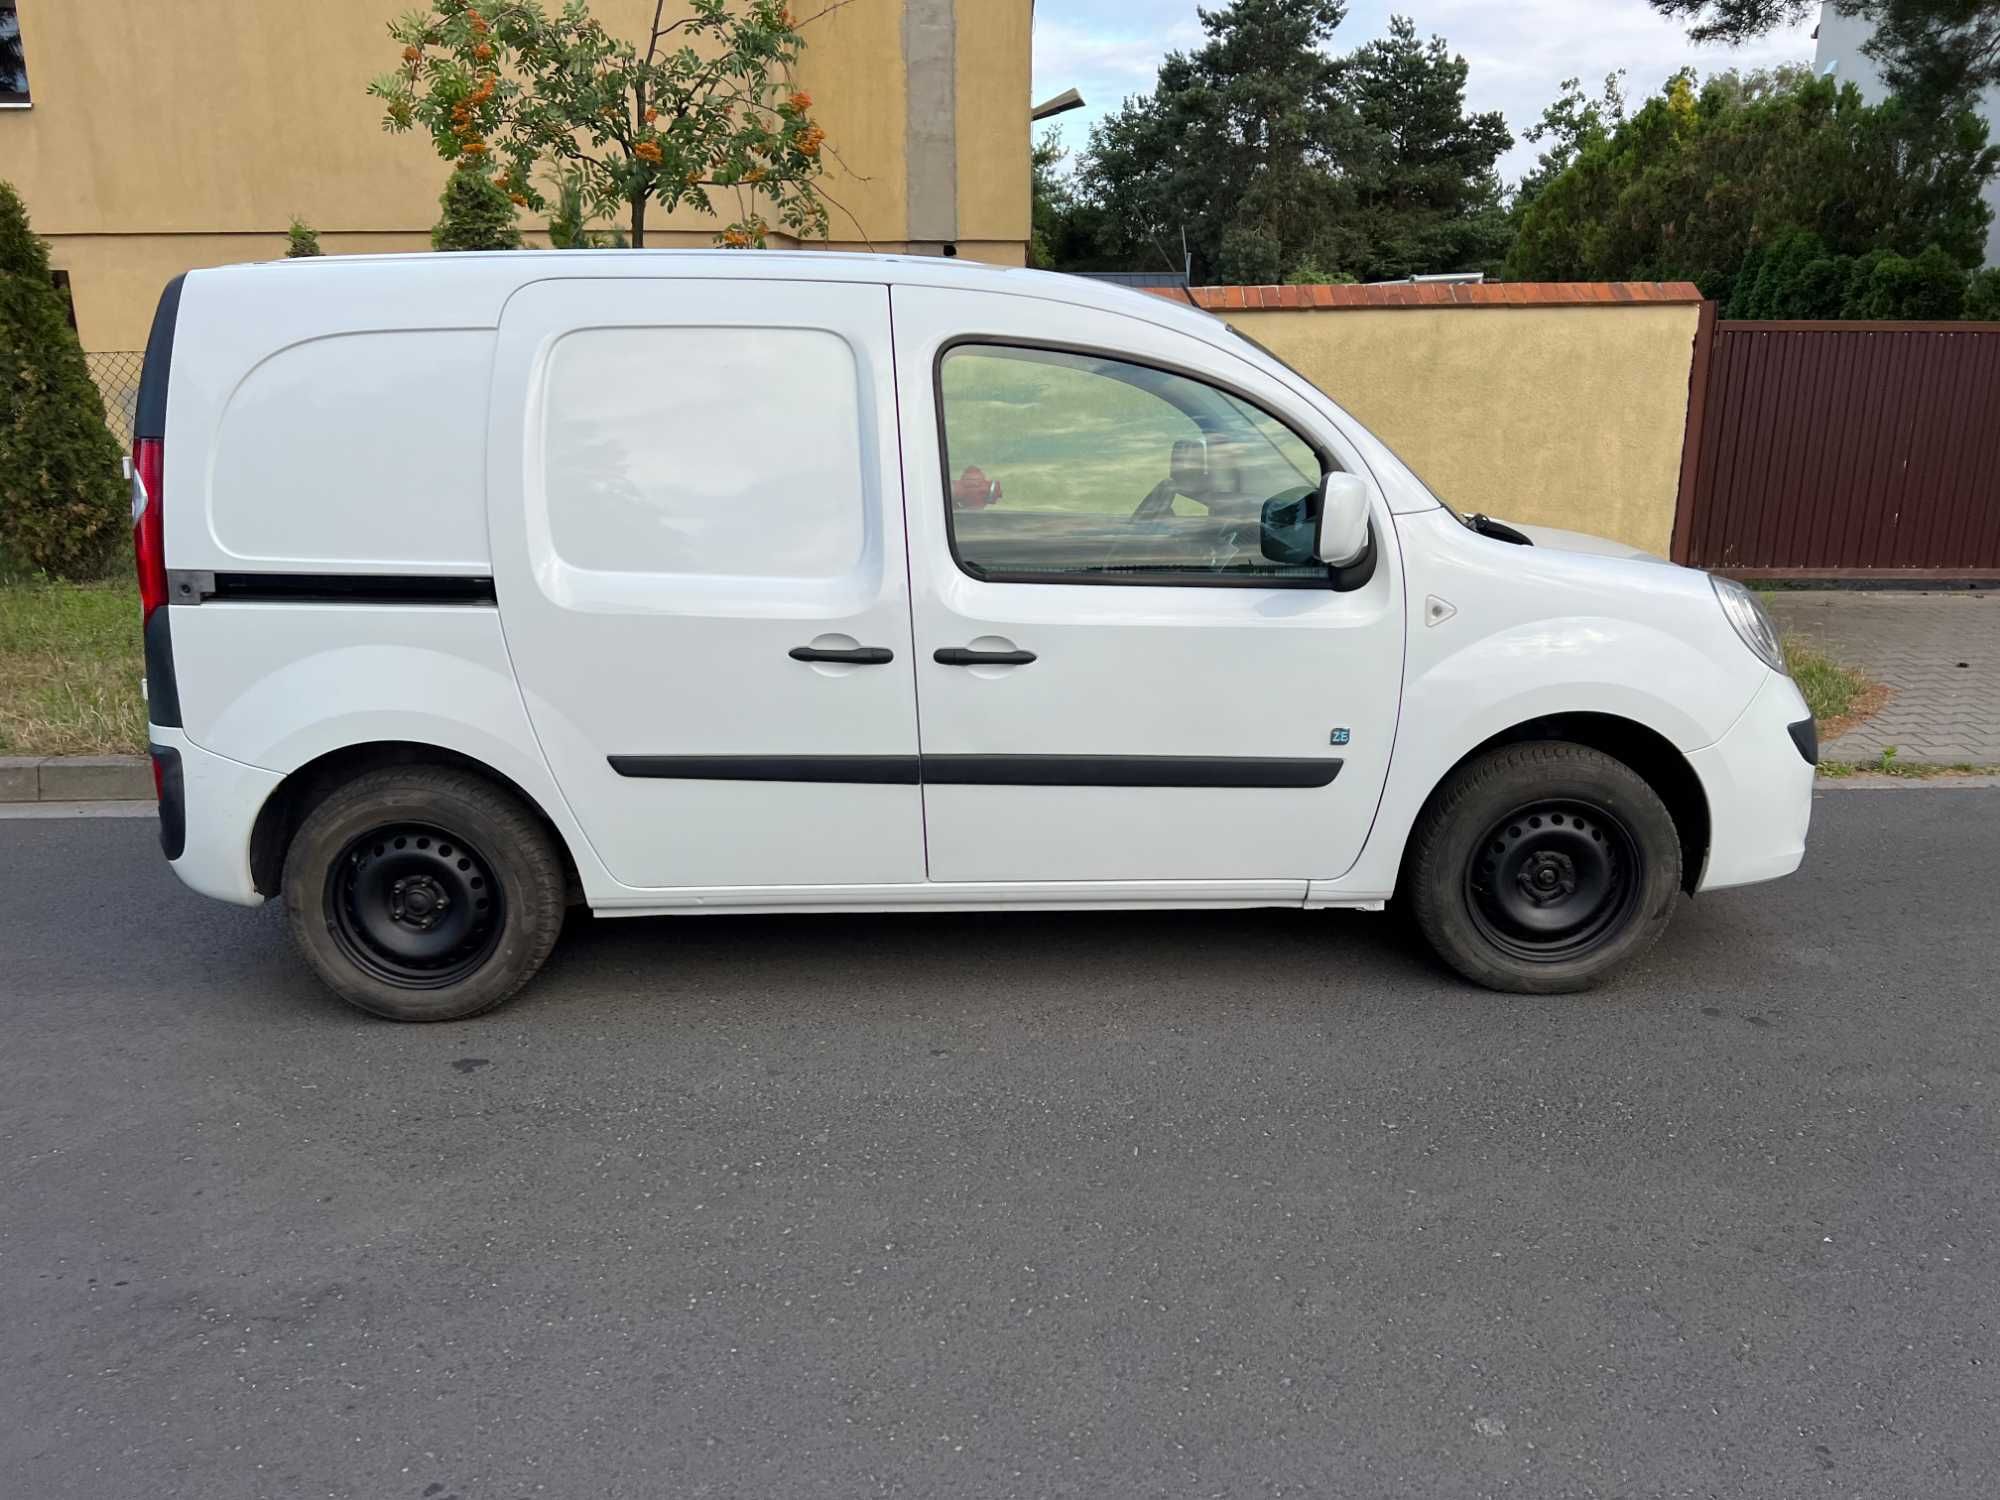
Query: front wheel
pixel 423 893
pixel 1541 867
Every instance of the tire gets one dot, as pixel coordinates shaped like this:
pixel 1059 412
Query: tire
pixel 1540 868
pixel 422 893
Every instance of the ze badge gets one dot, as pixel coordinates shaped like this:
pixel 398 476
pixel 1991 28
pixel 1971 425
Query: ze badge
pixel 1340 737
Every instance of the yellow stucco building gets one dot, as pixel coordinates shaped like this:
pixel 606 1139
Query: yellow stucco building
pixel 151 138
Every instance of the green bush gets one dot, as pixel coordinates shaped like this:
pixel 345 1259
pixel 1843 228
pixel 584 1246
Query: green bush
pixel 304 241
pixel 1250 256
pixel 1930 286
pixel 1795 277
pixel 1982 296
pixel 1310 272
pixel 569 220
pixel 478 214
pixel 62 500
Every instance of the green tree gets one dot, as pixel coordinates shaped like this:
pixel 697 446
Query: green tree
pixel 1693 183
pixel 1267 151
pixel 702 108
pixel 1798 278
pixel 1573 122
pixel 1929 286
pixel 62 502
pixel 478 214
pixel 1234 147
pixel 1426 196
pixel 1938 54
pixel 1982 296
pixel 1065 223
pixel 303 241
pixel 569 218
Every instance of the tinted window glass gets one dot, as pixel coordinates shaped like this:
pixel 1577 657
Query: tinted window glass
pixel 1069 466
pixel 13 62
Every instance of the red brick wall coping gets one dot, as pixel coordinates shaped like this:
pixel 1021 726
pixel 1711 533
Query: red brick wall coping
pixel 1435 294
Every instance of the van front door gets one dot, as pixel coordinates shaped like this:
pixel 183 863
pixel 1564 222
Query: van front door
pixel 1115 682
pixel 697 527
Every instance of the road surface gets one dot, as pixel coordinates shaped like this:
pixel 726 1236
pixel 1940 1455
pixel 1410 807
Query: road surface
pixel 1255 1204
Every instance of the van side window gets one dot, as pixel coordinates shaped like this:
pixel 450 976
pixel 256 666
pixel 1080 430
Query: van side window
pixel 1075 468
pixel 705 451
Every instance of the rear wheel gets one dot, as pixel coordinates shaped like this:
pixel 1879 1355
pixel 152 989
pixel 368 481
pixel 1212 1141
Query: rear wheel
pixel 423 893
pixel 1541 867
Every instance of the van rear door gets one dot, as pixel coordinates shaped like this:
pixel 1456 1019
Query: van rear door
pixel 697 528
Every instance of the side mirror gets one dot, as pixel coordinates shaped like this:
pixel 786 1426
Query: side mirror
pixel 1343 520
pixel 1189 467
pixel 1328 525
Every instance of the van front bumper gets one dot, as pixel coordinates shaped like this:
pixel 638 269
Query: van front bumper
pixel 1759 783
pixel 219 802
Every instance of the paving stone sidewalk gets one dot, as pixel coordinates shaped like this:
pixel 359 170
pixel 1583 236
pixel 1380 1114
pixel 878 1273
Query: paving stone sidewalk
pixel 1938 653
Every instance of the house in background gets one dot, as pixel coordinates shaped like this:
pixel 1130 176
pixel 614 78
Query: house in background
pixel 149 138
pixel 1840 40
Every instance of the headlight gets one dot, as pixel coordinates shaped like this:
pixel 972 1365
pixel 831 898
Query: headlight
pixel 1752 621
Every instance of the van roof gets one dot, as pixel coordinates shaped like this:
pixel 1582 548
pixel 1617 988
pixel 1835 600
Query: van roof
pixel 500 268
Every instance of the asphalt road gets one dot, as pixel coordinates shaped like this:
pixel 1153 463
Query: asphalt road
pixel 1146 1205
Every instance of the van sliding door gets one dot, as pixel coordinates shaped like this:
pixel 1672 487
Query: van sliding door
pixel 697 531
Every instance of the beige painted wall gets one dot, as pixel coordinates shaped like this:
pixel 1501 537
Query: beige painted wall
pixel 167 136
pixel 1556 416
pixel 994 190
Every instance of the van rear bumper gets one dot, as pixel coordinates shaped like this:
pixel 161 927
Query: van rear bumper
pixel 1759 784
pixel 220 799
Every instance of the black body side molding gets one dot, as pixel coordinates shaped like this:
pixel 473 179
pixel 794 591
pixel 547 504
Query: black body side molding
pixel 192 587
pixel 1236 772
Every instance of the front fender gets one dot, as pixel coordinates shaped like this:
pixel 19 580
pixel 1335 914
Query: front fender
pixel 1534 633
pixel 1552 668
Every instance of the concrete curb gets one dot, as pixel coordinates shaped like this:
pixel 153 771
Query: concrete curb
pixel 1861 781
pixel 76 778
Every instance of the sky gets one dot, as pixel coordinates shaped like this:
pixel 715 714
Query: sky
pixel 1520 51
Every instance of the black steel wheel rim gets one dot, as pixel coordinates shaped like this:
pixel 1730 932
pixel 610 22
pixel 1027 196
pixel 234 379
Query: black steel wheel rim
pixel 414 905
pixel 1554 881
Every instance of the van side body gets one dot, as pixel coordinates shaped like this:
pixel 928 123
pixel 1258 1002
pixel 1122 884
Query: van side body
pixel 812 582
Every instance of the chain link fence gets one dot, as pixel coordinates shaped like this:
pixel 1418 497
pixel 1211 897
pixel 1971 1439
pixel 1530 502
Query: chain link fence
pixel 117 377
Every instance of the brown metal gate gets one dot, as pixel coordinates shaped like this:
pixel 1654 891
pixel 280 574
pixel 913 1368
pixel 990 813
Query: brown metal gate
pixel 1843 449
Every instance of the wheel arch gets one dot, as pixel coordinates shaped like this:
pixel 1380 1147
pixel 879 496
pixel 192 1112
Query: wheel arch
pixel 1645 750
pixel 294 798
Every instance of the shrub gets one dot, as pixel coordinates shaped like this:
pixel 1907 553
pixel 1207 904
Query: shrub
pixel 1898 288
pixel 1310 272
pixel 62 502
pixel 1795 277
pixel 304 241
pixel 1982 296
pixel 478 214
pixel 1250 256
pixel 569 219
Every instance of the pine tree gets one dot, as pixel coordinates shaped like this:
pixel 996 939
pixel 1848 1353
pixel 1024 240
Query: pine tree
pixel 478 214
pixel 62 501
pixel 1270 153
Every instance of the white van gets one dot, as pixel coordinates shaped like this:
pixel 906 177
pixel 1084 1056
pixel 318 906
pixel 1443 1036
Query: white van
pixel 479 587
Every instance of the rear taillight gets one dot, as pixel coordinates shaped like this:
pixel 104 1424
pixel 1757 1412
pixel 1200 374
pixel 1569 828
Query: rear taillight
pixel 149 549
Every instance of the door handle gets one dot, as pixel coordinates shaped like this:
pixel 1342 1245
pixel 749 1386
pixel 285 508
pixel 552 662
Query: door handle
pixel 858 656
pixel 959 656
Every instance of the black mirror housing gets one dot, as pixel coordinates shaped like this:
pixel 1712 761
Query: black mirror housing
pixel 1290 527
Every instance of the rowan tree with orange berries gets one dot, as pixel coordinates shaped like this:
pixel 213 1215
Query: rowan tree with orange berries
pixel 701 106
